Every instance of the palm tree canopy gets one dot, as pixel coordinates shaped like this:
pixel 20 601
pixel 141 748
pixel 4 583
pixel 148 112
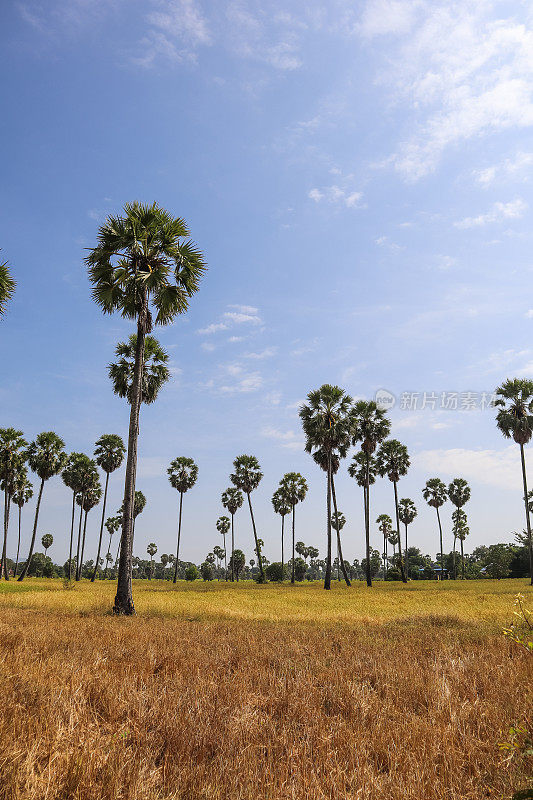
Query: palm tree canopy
pixel 280 504
pixel 223 525
pixel 155 372
pixel 371 425
pixel 113 524
pixel 182 473
pixel 12 455
pixel 327 420
pixel 91 497
pixel 7 287
pixel 338 521
pixel 294 487
pixel 393 538
pixel 47 540
pixel 321 458
pixel 139 503
pixel 22 488
pixel 407 510
pixel 392 459
pixel 357 468
pixel 151 549
pixel 514 401
pixel 232 500
pixel 384 523
pixel 459 517
pixel 109 452
pixel 46 455
pixel 435 493
pixel 247 475
pixel 459 492
pixel 145 254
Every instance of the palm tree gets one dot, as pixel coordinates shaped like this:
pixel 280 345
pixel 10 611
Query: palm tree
pixel 7 287
pixel 321 458
pixel 223 525
pixel 371 428
pixel 435 495
pixel 328 425
pixel 143 263
pixel 247 477
pixel 155 370
pixel 384 523
pixel 109 454
pixel 394 538
pixel 164 562
pixel 459 495
pixel 232 500
pixel 23 492
pixel 139 504
pixel 392 459
pixel 182 475
pixel 76 472
pixel 294 488
pixel 151 550
pixel 514 401
pixel 85 478
pixel 47 541
pixel 338 521
pixel 219 554
pixel 46 457
pixel 12 459
pixel 87 501
pixel 460 531
pixel 282 507
pixel 407 512
pixel 112 525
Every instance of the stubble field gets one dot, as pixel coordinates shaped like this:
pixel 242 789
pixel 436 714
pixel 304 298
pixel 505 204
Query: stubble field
pixel 244 692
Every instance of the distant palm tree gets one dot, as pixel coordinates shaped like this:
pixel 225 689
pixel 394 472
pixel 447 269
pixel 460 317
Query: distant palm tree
pixel 363 470
pixel 7 287
pixel 182 475
pixel 460 531
pixel 77 471
pixel 12 457
pixel 392 459
pixel 109 454
pixel 232 500
pixel 164 562
pixel 86 477
pixel 394 538
pixel 219 554
pixel 384 523
pixel 151 550
pixel 514 401
pixel 459 495
pixel 87 501
pixel 282 507
pixel 143 261
pixel 407 513
pixel 435 495
pixel 223 525
pixel 338 521
pixel 294 489
pixel 46 457
pixel 112 525
pixel 371 428
pixel 247 477
pixel 327 422
pixel 155 370
pixel 23 492
pixel 47 541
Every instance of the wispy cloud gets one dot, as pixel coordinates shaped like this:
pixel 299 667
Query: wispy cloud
pixel 518 168
pixel 238 317
pixel 288 439
pixel 490 467
pixel 176 30
pixel 337 195
pixel 499 212
pixel 215 327
pixel 242 316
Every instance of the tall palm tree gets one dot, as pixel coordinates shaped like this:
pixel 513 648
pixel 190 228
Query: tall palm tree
pixel 23 492
pixel 223 525
pixel 112 526
pixel 321 458
pixel 514 401
pixel 85 477
pixel 182 475
pixel 155 370
pixel 232 500
pixel 46 457
pixel 77 474
pixel 294 489
pixel 109 454
pixel 144 263
pixel 394 538
pixel 460 531
pixel 7 287
pixel 459 495
pixel 392 459
pixel 87 501
pixel 247 477
pixel 12 457
pixel 219 554
pixel 384 523
pixel 151 550
pixel 338 521
pixel 282 507
pixel 371 428
pixel 435 495
pixel 407 512
pixel 47 541
pixel 327 422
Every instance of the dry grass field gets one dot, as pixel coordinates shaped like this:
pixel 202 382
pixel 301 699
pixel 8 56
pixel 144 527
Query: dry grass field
pixel 255 692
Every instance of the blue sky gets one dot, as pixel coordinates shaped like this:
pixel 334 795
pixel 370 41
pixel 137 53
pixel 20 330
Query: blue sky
pixel 359 177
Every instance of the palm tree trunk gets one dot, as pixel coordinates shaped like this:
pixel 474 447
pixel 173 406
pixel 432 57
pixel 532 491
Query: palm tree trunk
pixel 528 521
pixel 34 534
pixel 327 577
pixel 106 559
pixel 226 554
pixel 339 545
pixel 282 553
pixel 453 555
pixel 179 537
pixel 82 546
pixel 292 571
pixel 7 503
pixel 406 553
pixel 124 597
pixel 18 543
pixel 385 540
pixel 400 557
pixel 462 562
pixel 232 560
pixel 367 524
pixel 441 550
pixel 71 535
pixel 79 540
pixel 150 575
pixel 93 576
pixel 257 548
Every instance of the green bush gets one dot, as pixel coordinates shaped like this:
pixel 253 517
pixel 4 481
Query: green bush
pixel 276 572
pixel 191 573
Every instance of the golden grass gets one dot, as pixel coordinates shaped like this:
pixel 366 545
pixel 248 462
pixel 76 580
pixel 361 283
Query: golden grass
pixel 260 693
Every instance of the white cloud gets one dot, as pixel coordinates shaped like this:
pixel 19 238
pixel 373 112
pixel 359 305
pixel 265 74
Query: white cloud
pixel 337 195
pixel 288 439
pixel 175 33
pixel 382 17
pixel 213 328
pixel 234 339
pixel 517 168
pixel 244 309
pixel 238 317
pixel 515 209
pixel 247 383
pixel 268 352
pixel 529 314
pixel 208 347
pixel 500 468
pixel 271 38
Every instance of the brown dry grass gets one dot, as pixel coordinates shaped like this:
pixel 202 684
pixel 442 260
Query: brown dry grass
pixel 158 707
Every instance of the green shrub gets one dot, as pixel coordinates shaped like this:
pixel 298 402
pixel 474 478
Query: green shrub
pixel 191 573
